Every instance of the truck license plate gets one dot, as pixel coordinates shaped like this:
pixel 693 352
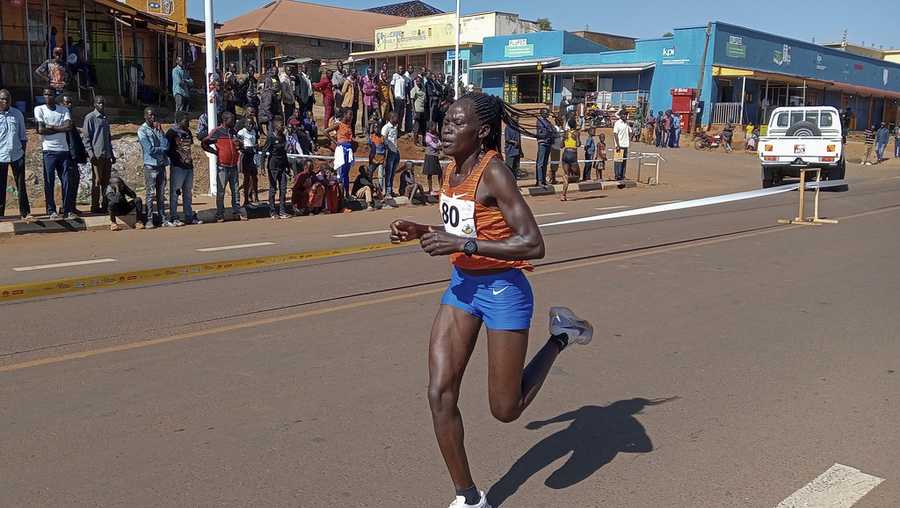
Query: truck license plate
pixel 799 149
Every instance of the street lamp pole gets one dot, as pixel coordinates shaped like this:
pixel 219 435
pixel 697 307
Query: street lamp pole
pixel 455 57
pixel 211 116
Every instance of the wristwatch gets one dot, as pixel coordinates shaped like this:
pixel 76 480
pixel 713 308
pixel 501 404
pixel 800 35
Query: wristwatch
pixel 470 247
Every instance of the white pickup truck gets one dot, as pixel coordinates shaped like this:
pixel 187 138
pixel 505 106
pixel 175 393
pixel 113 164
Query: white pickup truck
pixel 802 137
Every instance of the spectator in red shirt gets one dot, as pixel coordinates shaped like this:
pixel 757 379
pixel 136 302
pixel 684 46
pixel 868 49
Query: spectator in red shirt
pixel 223 142
pixel 327 89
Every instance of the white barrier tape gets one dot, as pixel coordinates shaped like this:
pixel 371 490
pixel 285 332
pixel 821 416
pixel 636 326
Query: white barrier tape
pixel 639 156
pixel 331 157
pixel 694 203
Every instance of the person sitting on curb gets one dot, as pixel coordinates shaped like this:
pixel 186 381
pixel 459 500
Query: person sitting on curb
pixel 409 187
pixel 300 187
pixel 364 188
pixel 117 195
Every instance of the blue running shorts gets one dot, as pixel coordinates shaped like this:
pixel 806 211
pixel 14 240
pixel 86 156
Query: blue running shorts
pixel 502 300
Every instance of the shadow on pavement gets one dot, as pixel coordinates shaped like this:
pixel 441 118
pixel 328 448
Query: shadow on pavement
pixel 594 437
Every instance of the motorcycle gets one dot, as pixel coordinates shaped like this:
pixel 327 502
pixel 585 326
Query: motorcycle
pixel 704 141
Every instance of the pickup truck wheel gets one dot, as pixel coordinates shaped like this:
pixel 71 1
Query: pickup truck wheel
pixel 768 178
pixel 804 129
pixel 838 173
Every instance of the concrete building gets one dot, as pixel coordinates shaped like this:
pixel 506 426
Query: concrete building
pixel 737 74
pixel 429 41
pixel 891 55
pixel 298 29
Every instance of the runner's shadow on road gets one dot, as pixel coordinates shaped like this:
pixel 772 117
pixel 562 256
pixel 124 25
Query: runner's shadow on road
pixel 595 435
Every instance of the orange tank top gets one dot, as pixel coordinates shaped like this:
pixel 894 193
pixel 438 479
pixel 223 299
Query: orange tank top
pixel 463 216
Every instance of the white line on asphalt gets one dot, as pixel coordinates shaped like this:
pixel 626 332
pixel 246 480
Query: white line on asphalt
pixel 838 487
pixel 232 247
pixel 666 202
pixel 610 208
pixel 364 233
pixel 551 214
pixel 62 265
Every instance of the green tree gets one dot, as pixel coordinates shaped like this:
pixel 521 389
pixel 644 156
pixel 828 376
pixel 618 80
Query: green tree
pixel 544 24
pixel 668 34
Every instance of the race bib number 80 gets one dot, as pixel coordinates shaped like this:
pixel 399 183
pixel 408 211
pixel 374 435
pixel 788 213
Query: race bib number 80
pixel 458 216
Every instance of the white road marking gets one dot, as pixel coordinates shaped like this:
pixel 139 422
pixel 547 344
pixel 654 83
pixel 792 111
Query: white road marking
pixel 233 247
pixel 63 265
pixel 364 233
pixel 551 214
pixel 667 202
pixel 610 208
pixel 838 487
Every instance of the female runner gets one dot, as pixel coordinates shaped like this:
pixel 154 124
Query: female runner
pixel 490 234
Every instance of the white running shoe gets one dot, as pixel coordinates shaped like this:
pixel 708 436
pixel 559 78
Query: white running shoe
pixel 460 502
pixel 563 320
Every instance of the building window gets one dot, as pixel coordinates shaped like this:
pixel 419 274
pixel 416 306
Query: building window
pixel 315 42
pixel 37 29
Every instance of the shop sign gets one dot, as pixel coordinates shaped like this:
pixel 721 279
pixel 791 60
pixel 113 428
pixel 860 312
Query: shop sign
pixel 518 48
pixel 782 56
pixel 819 65
pixel 858 67
pixel 668 52
pixel 884 77
pixel 677 61
pixel 735 47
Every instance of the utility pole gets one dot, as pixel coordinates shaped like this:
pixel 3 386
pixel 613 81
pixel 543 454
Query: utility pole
pixel 455 57
pixel 211 116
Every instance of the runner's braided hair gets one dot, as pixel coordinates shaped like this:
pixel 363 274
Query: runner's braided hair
pixel 494 112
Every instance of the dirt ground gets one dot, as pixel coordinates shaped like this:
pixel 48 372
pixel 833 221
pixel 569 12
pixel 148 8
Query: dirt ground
pixel 129 165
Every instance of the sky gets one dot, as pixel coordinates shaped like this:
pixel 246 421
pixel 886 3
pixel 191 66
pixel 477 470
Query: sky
pixel 867 21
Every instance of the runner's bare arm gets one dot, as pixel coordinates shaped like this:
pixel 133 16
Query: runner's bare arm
pixel 498 187
pixel 405 231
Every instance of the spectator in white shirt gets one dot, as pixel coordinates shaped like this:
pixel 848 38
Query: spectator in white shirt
pixel 53 122
pixel 622 140
pixel 400 86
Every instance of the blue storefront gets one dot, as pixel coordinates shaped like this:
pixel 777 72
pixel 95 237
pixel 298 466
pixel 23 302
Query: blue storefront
pixel 740 74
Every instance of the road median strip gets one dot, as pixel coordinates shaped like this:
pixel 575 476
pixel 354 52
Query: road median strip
pixel 15 292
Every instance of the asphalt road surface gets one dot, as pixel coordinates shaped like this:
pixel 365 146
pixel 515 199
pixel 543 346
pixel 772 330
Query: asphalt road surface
pixel 735 361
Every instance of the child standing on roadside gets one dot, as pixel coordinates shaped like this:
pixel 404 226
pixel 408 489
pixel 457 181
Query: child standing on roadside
pixel 248 166
pixel 601 155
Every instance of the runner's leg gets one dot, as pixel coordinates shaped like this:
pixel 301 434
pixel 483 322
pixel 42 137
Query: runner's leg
pixel 453 337
pixel 510 387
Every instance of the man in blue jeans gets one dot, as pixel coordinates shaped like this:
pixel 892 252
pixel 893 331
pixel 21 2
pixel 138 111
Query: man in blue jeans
pixel 545 134
pixel 53 122
pixel 13 140
pixel 225 145
pixel 181 172
pixel 881 141
pixel 154 146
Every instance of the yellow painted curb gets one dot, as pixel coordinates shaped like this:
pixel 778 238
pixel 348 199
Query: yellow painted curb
pixel 61 286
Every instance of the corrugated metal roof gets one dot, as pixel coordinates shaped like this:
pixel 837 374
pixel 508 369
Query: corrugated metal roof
pixel 310 20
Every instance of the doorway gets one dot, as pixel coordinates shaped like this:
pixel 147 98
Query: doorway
pixel 529 87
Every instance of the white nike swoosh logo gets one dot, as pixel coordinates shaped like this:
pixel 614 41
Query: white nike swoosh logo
pixel 457 196
pixel 498 292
